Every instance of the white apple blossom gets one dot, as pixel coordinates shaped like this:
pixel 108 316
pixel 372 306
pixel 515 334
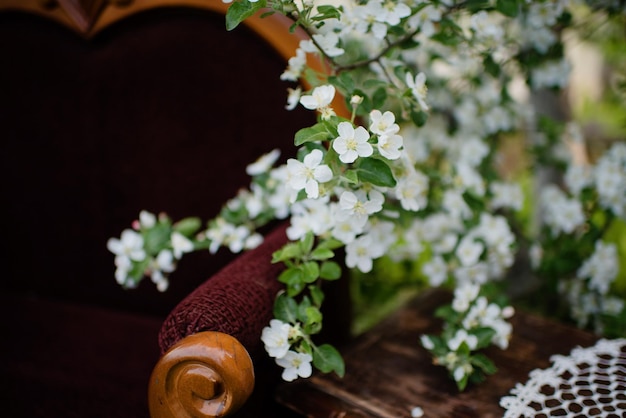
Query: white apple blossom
pixel 390 146
pixel 295 66
pixel 263 164
pixel 361 252
pixel 418 87
pixel 129 245
pixel 367 19
pixel 276 338
pixel 454 203
pixel 320 99
pixel 469 251
pixel 146 219
pixel 360 204
pixel 601 268
pixel 464 295
pixel 393 11
pixel 309 173
pixel 412 190
pixel 425 19
pixel 328 43
pixel 436 270
pixel 296 365
pixel 180 244
pixel 461 337
pixel 352 143
pixel 383 123
pixel 506 195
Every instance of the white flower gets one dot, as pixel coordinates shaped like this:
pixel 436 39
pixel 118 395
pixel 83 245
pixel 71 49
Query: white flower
pixel 462 370
pixel 346 228
pixel 417 412
pixel 455 205
pixel 506 195
pixel 361 252
pixel 601 268
pixel 352 143
pixel 295 66
pixel 383 123
pixel 225 233
pixel 425 18
pixel 276 338
pixel 472 151
pixel 180 244
pixel 464 295
pixel 263 163
pixel 412 190
pixel 418 88
pixel 436 270
pixel 360 205
pixel 293 97
pixel 578 177
pixel 129 245
pixel 427 343
pixel 163 263
pixel 461 337
pixel 320 98
pixel 478 273
pixel 147 219
pixel 393 11
pixel 309 173
pixel 296 365
pixel 389 146
pixel 469 251
pixel 328 43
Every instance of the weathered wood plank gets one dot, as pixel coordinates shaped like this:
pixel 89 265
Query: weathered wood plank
pixel 388 372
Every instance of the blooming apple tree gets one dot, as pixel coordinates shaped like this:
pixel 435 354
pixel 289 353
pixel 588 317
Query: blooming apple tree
pixel 412 172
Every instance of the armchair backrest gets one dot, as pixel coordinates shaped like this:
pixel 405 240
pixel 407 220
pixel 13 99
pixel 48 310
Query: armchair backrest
pixel 107 108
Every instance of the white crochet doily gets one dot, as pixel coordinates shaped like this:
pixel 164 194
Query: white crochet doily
pixel 590 382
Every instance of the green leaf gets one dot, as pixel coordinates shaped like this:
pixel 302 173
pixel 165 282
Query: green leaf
pixel 306 243
pixel 330 270
pixel 156 238
pixel 314 133
pixel 317 295
pixel 507 7
pixel 491 66
pixel 312 320
pixel 288 252
pixel 286 309
pixel 419 118
pixel 290 276
pixel 484 335
pixel 331 244
pixel 484 363
pixel 375 171
pixel 322 254
pixel 240 11
pixel 310 271
pixel 351 176
pixel 326 358
pixel 379 97
pixel 327 12
pixel 188 226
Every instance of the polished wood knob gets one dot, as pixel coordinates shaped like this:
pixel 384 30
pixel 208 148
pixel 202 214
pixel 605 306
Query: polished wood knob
pixel 208 374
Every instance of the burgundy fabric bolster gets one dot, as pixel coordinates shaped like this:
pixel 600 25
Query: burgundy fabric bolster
pixel 238 300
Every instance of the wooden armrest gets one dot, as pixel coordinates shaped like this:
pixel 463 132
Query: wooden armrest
pixel 208 374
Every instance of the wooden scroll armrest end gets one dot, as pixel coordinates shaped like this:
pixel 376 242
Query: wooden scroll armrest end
pixel 208 374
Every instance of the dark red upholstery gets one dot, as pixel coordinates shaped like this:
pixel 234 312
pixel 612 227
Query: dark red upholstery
pixel 237 301
pixel 162 111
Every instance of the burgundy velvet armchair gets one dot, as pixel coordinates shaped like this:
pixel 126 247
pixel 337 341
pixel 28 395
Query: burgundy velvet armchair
pixel 108 108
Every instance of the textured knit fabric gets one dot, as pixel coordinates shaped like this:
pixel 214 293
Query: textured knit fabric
pixel 238 300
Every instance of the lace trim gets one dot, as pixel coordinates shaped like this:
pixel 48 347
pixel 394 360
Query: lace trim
pixel 590 382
